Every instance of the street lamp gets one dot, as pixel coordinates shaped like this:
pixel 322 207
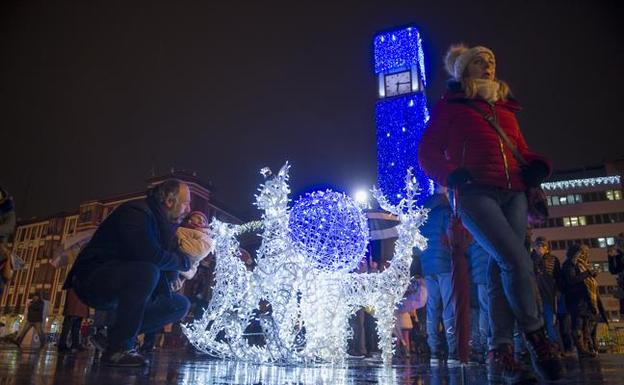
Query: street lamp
pixel 361 198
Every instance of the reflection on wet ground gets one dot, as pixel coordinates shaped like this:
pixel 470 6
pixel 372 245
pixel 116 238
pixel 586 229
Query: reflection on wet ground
pixel 47 367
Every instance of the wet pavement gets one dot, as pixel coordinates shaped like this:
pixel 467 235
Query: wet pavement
pixel 47 367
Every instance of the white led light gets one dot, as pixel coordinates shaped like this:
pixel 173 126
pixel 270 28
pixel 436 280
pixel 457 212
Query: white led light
pixel 575 183
pixel 310 306
pixel 361 197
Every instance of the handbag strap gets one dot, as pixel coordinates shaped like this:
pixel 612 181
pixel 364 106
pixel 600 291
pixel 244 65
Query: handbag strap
pixel 491 119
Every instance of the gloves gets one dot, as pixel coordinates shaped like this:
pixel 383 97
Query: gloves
pixel 534 174
pixel 458 178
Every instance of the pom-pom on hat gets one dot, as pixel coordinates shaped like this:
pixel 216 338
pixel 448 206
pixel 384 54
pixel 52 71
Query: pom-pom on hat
pixel 459 55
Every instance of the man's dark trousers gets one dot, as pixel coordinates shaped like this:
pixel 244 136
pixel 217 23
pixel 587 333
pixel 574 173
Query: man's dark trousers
pixel 126 288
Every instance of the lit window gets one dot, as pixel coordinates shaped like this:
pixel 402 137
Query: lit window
pixel 610 241
pixel 578 198
pixel 566 221
pixel 602 242
pixel 570 199
pixel 549 201
pixel 555 200
pixel 617 194
pixel 609 194
pixel 563 200
pixel 574 221
pixel 582 220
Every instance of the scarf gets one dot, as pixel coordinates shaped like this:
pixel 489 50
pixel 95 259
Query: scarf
pixel 487 89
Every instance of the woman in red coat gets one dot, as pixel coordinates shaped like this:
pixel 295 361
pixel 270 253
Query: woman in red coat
pixel 461 150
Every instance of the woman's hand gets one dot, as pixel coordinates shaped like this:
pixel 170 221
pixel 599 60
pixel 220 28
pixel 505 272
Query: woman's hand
pixel 458 177
pixel 534 174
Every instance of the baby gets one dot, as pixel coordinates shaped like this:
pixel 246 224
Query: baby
pixel 194 239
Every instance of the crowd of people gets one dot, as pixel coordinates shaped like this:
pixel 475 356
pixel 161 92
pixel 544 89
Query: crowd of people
pixel 143 252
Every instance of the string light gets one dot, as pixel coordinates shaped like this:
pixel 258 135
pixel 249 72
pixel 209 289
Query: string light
pixel 400 120
pixel 400 48
pixel 330 228
pixel 400 124
pixel 575 183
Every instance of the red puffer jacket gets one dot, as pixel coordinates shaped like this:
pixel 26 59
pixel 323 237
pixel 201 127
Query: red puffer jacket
pixel 458 136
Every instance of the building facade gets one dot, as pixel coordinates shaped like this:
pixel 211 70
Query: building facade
pixel 35 241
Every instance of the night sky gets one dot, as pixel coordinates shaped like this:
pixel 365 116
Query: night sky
pixel 95 96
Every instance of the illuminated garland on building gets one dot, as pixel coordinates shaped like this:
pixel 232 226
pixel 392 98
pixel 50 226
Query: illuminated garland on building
pixel 310 307
pixel 576 183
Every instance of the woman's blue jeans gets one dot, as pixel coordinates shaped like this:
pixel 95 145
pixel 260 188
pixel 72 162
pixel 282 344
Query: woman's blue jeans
pixel 497 219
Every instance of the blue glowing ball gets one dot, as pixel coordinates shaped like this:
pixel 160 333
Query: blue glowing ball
pixel 329 229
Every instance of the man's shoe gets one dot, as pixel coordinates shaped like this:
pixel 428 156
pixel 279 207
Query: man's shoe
pixel 502 368
pixel 544 355
pixel 127 358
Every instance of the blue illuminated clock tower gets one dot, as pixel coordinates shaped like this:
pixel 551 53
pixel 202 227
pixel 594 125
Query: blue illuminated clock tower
pixel 401 112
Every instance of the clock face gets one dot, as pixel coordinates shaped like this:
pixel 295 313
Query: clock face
pixel 398 83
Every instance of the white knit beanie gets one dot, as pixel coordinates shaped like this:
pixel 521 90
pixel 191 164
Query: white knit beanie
pixel 458 57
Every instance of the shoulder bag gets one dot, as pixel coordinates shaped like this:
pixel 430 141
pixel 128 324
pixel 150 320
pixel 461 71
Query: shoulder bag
pixel 536 197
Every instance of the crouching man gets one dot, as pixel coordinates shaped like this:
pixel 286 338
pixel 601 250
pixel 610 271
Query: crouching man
pixel 127 267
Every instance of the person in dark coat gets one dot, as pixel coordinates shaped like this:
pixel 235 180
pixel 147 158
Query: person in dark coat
pixel 7 226
pixel 73 314
pixel 35 318
pixel 462 150
pixel 549 282
pixel 581 298
pixel 436 267
pixel 128 265
pixel 616 267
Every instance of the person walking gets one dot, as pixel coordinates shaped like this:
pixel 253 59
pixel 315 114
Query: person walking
pixel 436 267
pixel 467 146
pixel 35 319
